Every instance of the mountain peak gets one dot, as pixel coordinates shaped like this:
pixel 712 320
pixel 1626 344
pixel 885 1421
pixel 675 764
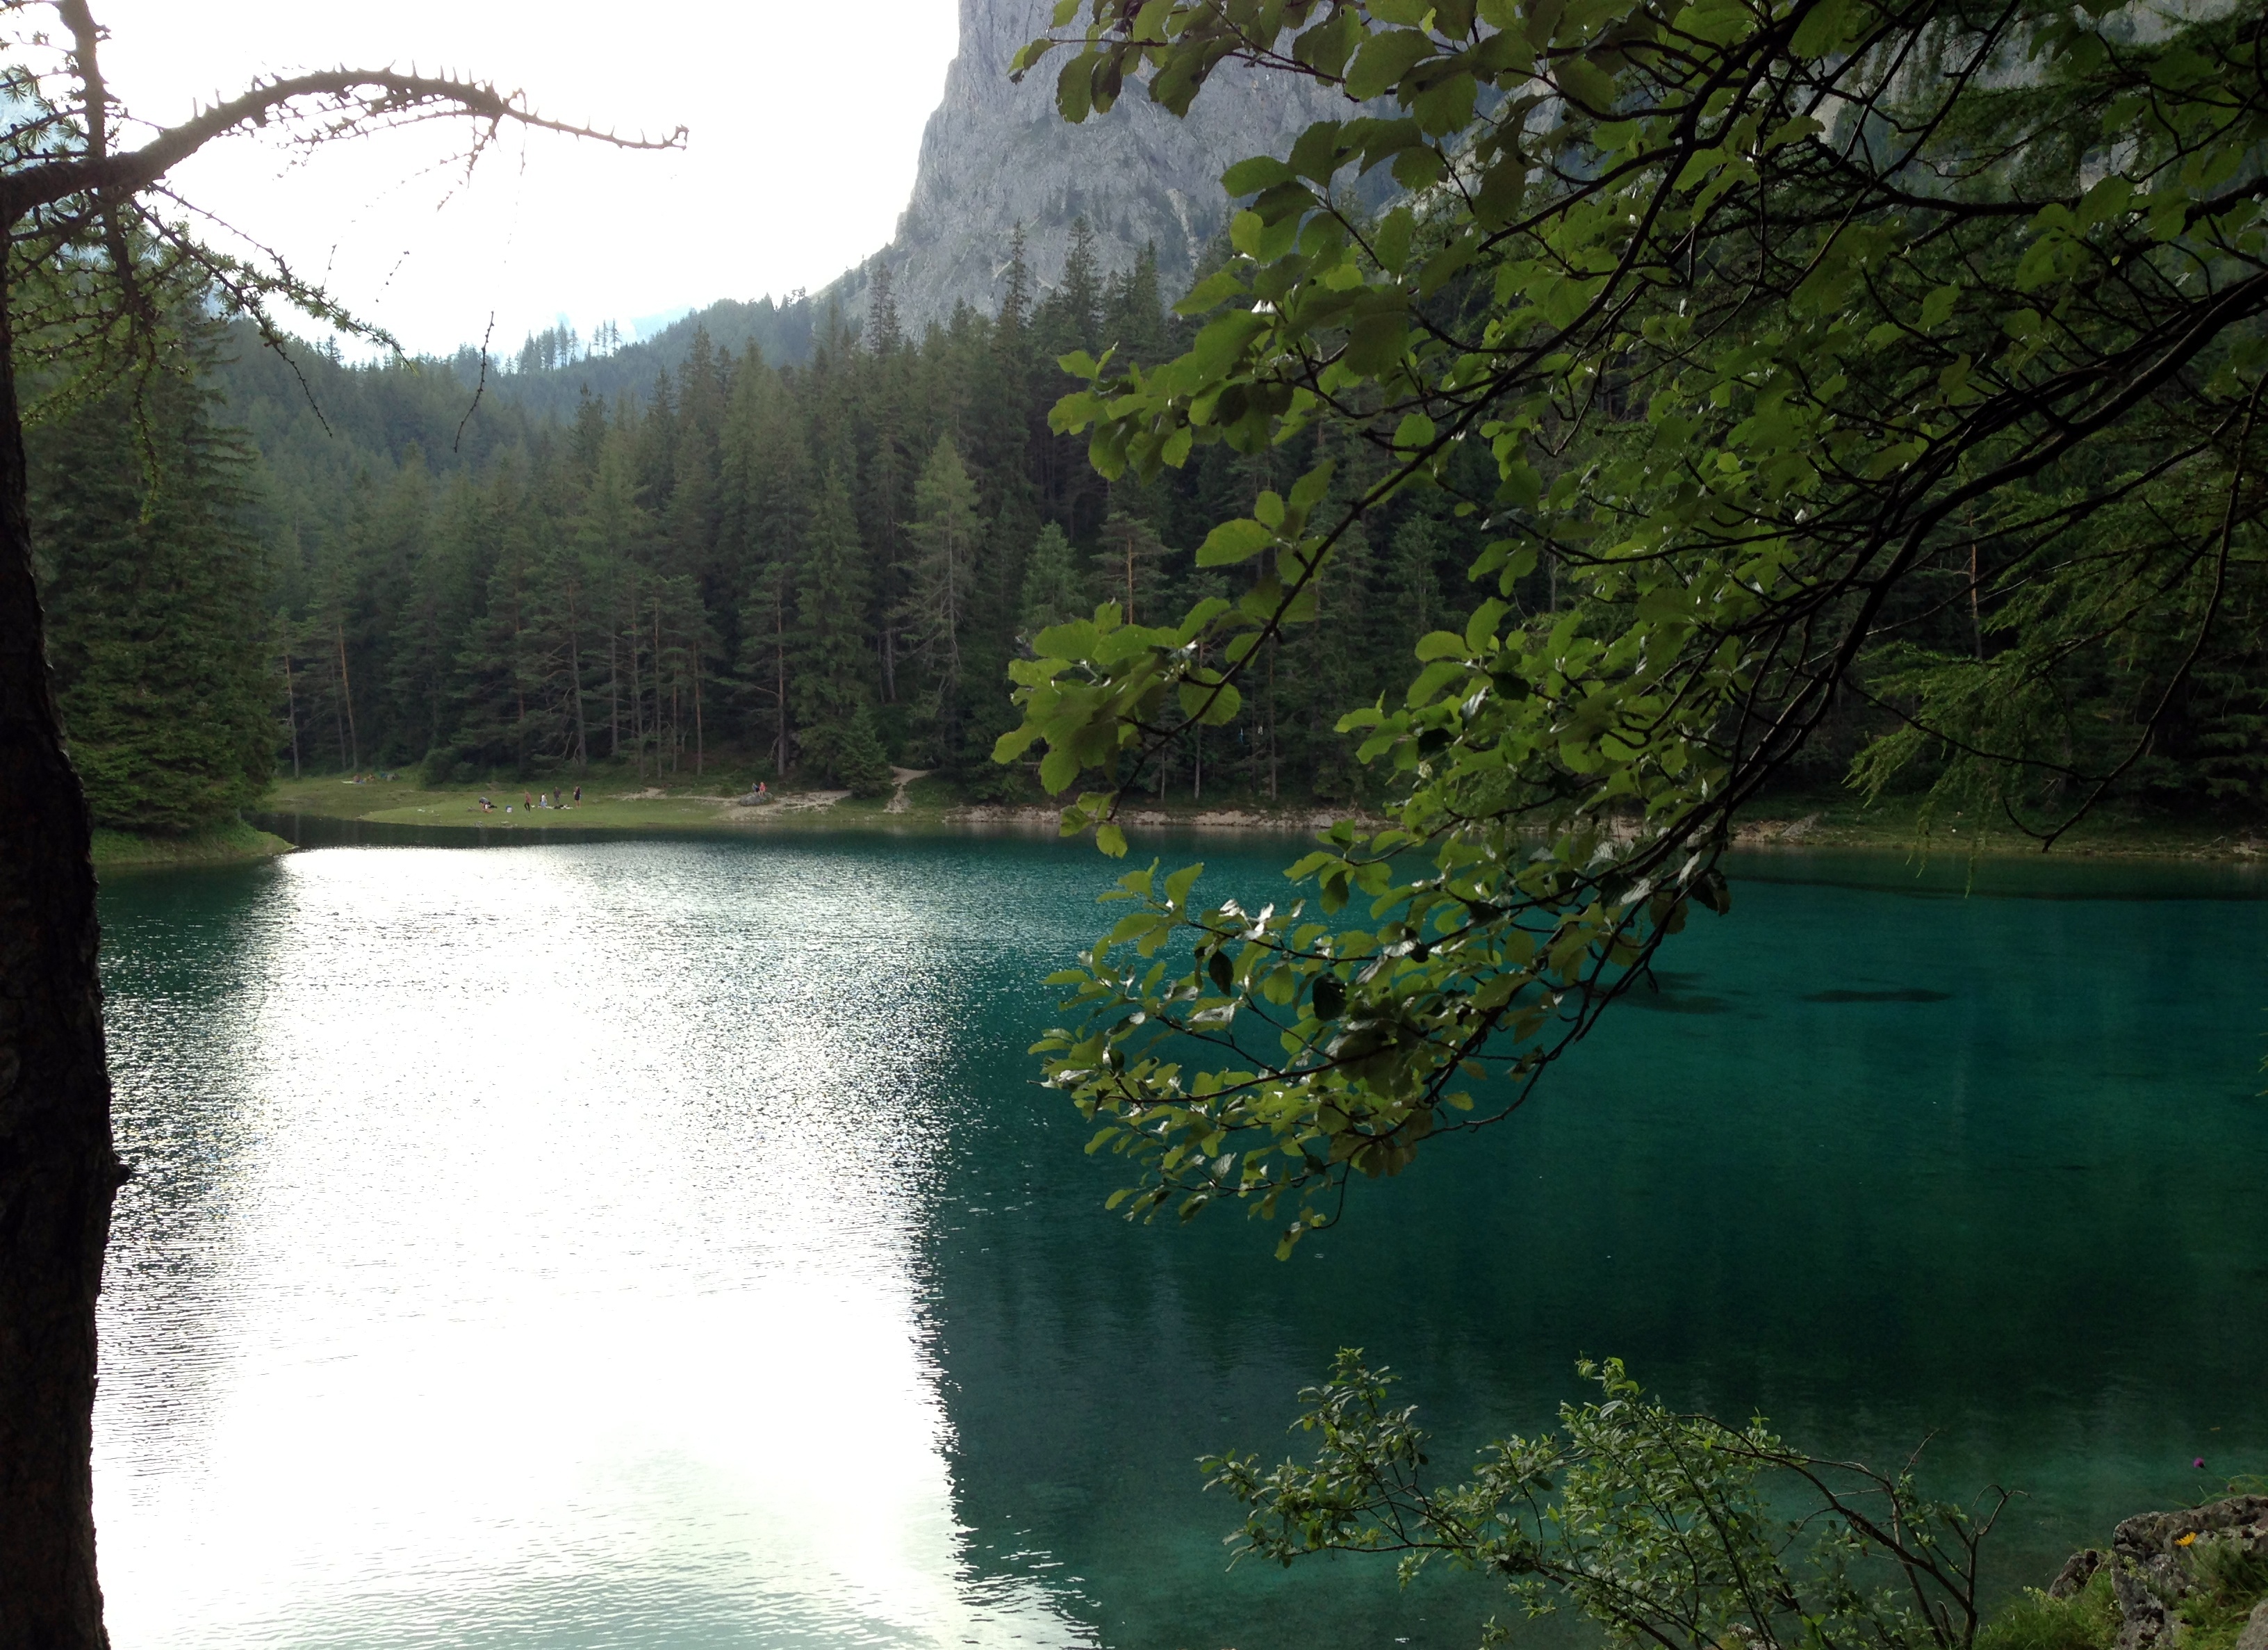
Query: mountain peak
pixel 996 156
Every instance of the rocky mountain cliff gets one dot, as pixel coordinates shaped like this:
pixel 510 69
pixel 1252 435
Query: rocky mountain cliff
pixel 996 155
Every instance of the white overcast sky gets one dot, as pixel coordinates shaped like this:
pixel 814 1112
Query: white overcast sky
pixel 804 122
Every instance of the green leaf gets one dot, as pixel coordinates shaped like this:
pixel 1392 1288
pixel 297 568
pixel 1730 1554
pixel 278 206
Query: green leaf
pixel 1432 679
pixel 1318 152
pixel 1822 28
pixel 1110 839
pixel 1522 486
pixel 1227 702
pixel 1223 341
pixel 1312 488
pixel 1384 60
pixel 1234 541
pixel 1075 88
pixel 1480 629
pixel 1376 343
pixel 1217 288
pixel 1419 166
pixel 1262 172
pixel 1390 240
pixel 1326 47
pixel 1057 769
pixel 2107 200
pixel 1586 83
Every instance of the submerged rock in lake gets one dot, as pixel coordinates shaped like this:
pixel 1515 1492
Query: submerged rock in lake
pixel 2152 1564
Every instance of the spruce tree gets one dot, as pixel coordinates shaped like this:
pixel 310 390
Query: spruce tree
pixel 833 663
pixel 946 534
pixel 1053 590
pixel 152 583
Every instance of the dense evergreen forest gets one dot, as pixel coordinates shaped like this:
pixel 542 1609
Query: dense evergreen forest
pixel 809 570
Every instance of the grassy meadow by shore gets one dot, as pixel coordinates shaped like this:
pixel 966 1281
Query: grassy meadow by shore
pixel 622 801
pixel 610 801
pixel 115 849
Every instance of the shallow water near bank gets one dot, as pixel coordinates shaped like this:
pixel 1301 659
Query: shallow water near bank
pixel 661 1243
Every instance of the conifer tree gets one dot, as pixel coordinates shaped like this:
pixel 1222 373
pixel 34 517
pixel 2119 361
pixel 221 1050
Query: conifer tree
pixel 1134 569
pixel 946 536
pixel 833 661
pixel 614 537
pixel 439 605
pixel 153 589
pixel 1053 589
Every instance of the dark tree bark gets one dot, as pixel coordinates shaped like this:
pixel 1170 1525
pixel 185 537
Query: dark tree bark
pixel 57 1169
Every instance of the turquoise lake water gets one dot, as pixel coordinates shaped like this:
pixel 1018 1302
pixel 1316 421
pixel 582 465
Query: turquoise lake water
pixel 661 1244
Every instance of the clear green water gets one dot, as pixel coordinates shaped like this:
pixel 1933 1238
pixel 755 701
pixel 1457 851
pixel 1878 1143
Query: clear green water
pixel 659 1244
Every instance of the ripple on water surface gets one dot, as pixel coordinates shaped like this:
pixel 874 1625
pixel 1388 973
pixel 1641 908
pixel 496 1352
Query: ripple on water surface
pixel 662 1245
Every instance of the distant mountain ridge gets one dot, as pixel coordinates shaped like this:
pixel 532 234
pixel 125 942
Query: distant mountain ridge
pixel 782 331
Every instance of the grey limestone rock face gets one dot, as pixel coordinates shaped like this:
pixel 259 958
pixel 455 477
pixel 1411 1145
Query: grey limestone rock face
pixel 996 155
pixel 2149 1563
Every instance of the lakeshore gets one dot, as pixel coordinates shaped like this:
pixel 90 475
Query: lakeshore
pixel 616 803
pixel 225 844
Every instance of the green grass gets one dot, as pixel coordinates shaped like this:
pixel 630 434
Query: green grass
pixel 2230 1582
pixel 119 850
pixel 619 800
pixel 1835 817
pixel 2088 1620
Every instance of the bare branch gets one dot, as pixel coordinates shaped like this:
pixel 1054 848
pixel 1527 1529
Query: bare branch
pixel 357 96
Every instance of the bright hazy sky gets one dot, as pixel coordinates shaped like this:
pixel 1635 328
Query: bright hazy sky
pixel 804 119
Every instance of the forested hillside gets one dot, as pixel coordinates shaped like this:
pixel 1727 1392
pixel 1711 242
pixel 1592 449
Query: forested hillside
pixel 809 569
pixel 814 569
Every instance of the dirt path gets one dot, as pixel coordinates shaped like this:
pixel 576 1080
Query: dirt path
pixel 904 777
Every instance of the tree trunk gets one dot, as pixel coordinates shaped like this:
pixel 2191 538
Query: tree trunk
pixel 637 696
pixel 346 693
pixel 292 706
pixel 780 679
pixel 658 735
pixel 57 1169
pixel 575 680
pixel 519 687
pixel 339 709
pixel 1271 719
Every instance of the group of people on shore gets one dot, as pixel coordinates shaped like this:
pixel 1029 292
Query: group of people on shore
pixel 531 801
